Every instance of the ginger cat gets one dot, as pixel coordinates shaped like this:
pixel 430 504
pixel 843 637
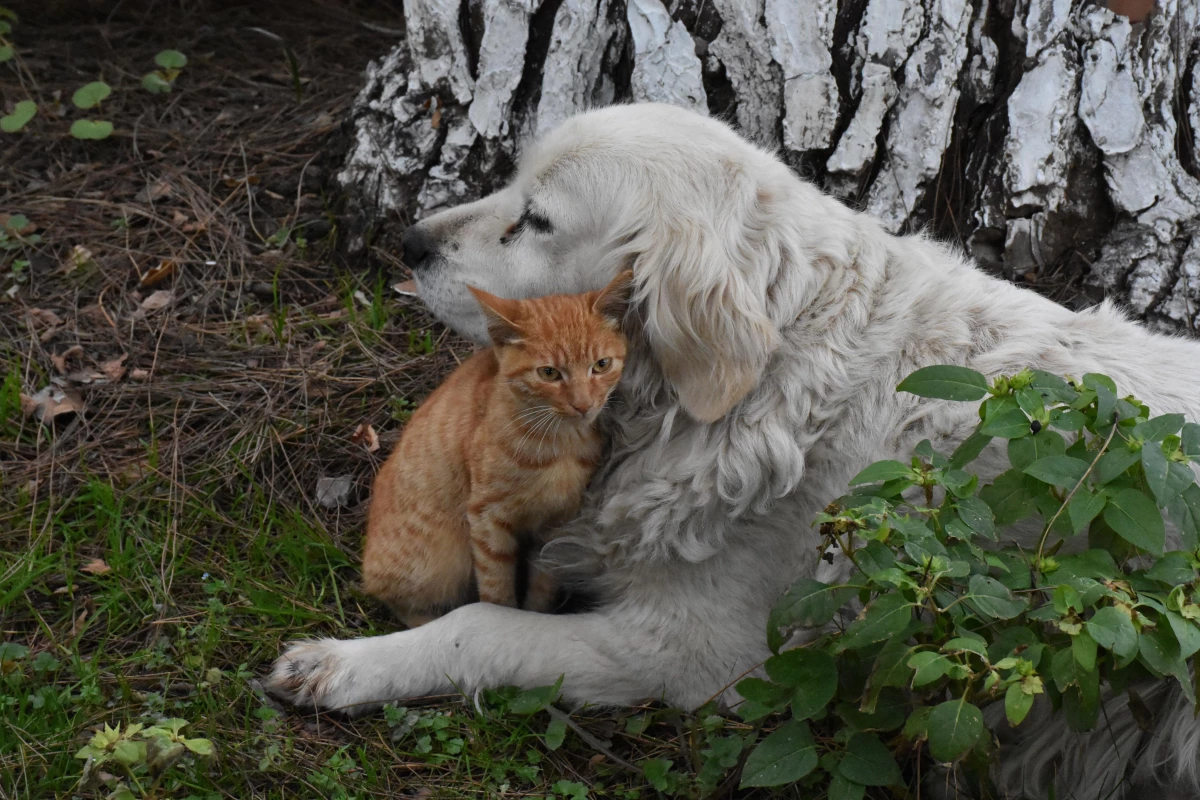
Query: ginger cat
pixel 499 453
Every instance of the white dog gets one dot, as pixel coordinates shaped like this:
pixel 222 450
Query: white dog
pixel 772 326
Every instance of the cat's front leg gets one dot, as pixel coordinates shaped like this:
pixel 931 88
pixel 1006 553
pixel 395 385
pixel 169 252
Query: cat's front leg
pixel 494 550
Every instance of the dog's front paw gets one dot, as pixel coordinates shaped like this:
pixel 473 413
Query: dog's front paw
pixel 315 674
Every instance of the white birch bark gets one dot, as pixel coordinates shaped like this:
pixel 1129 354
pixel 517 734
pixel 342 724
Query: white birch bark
pixel 1053 139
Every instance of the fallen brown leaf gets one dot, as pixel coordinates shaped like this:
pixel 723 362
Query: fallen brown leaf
pixel 164 270
pixel 179 218
pixel 96 566
pixel 366 435
pixel 406 288
pixel 44 316
pixel 52 402
pixel 114 370
pixel 153 191
pixel 60 361
pixel 158 300
pixel 139 375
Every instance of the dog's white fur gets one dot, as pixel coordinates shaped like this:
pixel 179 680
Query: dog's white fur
pixel 772 326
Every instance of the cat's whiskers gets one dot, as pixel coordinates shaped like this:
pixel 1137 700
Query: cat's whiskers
pixel 540 421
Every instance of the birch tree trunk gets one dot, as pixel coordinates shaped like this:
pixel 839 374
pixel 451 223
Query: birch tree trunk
pixel 1058 142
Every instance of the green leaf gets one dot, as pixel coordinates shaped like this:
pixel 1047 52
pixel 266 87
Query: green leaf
pixel 992 599
pixel 969 450
pixel 1185 511
pixel 1190 441
pixel 91 95
pixel 1158 428
pixel 807 603
pixel 813 675
pixel 1084 507
pixel 1083 647
pixel 1166 479
pixel 1063 471
pixel 1106 395
pixel 891 669
pixel 1114 463
pixel 556 733
pixel 1186 633
pixel 786 756
pixel 869 762
pixel 881 471
pixel 762 698
pixel 91 129
pixel 171 59
pixel 1137 520
pixel 656 770
pixel 155 83
pixel 841 788
pixel 533 700
pixel 201 747
pixel 1016 704
pixel 21 114
pixel 1005 419
pixel 953 728
pixel 128 752
pixel 1008 498
pixel 1023 452
pixel 946 383
pixel 929 666
pixel 6 53
pixel 1158 649
pixel 978 516
pixel 1113 630
pixel 1067 419
pixel 885 616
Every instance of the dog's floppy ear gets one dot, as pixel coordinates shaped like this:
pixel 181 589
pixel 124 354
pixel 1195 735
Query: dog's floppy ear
pixel 706 318
pixel 612 301
pixel 502 316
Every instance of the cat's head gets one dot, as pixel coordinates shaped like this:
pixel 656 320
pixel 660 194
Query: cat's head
pixel 561 351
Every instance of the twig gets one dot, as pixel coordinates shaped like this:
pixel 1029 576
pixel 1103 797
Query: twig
pixel 565 718
pixel 1067 499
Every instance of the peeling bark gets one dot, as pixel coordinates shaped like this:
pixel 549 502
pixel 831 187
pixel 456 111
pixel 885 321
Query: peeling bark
pixel 1057 142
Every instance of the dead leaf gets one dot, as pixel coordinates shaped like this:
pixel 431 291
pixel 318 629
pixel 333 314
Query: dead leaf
pixel 334 492
pixel 195 227
pixel 366 435
pixel 60 361
pixel 406 288
pixel 114 370
pixel 44 317
pixel 164 270
pixel 436 119
pixel 140 375
pixel 153 191
pixel 78 258
pixel 52 402
pixel 179 218
pixel 160 299
pixel 96 566
pixel 85 376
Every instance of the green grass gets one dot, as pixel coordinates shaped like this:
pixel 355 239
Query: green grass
pixel 151 574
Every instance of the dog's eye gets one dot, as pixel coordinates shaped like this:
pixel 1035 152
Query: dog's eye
pixel 529 219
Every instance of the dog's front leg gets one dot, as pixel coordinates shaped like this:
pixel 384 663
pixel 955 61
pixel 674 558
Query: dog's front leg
pixel 473 647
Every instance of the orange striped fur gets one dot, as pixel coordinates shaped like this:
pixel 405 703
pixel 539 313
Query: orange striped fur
pixel 496 456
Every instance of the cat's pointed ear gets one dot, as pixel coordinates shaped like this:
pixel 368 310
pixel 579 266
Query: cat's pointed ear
pixel 501 314
pixel 612 301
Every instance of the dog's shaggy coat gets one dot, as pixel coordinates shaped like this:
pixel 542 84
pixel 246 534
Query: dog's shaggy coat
pixel 771 326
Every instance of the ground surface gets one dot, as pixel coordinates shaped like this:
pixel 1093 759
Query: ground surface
pixel 212 358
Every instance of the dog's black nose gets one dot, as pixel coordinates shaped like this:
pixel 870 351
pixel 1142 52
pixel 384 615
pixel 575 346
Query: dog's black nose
pixel 417 245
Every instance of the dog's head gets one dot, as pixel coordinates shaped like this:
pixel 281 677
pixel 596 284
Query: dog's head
pixel 679 198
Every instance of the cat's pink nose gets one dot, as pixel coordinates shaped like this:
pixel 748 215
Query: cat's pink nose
pixel 582 408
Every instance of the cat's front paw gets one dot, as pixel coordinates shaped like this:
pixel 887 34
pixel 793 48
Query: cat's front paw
pixel 316 674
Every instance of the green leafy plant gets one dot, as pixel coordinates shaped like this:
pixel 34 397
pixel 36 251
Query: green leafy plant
pixel 142 754
pixel 21 114
pixel 171 64
pixel 86 97
pixel 956 617
pixel 7 18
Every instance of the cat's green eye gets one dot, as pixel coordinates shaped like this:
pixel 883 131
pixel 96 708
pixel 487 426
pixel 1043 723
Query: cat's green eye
pixel 548 373
pixel 602 365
